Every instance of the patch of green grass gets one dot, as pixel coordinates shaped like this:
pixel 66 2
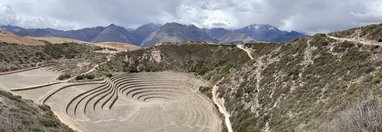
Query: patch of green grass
pixel 206 91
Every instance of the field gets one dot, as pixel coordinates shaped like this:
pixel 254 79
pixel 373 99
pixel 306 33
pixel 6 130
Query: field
pixel 155 101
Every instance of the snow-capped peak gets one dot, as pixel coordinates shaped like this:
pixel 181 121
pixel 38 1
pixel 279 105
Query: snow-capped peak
pixel 254 27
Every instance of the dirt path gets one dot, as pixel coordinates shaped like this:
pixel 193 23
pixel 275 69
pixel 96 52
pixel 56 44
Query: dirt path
pixel 248 50
pixel 220 104
pixel 91 70
pixel 356 40
pixel 95 67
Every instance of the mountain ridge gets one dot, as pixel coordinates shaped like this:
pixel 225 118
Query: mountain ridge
pixel 175 32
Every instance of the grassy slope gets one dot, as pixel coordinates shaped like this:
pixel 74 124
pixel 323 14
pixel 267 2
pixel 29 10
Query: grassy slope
pixel 370 32
pixel 23 116
pixel 295 95
pixel 290 86
pixel 15 56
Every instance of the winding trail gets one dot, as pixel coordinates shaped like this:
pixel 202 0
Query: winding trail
pixel 356 40
pixel 96 66
pixel 91 70
pixel 220 104
pixel 248 50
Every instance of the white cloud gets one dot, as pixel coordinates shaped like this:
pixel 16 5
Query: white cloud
pixel 309 16
pixel 7 16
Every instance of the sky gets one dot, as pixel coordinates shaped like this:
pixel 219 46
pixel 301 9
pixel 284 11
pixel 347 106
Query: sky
pixel 308 16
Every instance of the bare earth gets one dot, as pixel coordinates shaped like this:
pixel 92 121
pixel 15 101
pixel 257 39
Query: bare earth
pixel 158 101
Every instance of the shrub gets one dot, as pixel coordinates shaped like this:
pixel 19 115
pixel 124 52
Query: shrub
pixel 89 76
pixel 109 75
pixel 80 77
pixel 206 91
pixel 64 76
pixel 44 107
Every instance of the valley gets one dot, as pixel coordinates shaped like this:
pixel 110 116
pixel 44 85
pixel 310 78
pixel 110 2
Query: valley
pixel 300 85
pixel 190 66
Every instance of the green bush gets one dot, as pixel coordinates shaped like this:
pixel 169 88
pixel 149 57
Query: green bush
pixel 109 75
pixel 64 76
pixel 206 91
pixel 44 107
pixel 89 76
pixel 80 77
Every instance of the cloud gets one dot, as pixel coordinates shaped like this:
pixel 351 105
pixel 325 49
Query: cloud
pixel 7 16
pixel 310 16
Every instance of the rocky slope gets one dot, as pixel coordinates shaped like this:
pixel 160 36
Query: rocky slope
pixel 301 85
pixel 22 115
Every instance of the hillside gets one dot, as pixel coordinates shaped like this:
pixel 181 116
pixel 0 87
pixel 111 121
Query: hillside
pixel 22 115
pixel 8 37
pixel 370 32
pixel 286 86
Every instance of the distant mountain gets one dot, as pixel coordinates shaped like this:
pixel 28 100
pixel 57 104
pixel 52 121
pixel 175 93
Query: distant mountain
pixel 268 33
pixel 113 33
pixel 216 33
pixel 53 31
pixel 172 32
pixel 143 31
pixel 227 36
pixel 85 34
pixel 235 38
pixel 26 32
pixel 110 33
pixel 151 34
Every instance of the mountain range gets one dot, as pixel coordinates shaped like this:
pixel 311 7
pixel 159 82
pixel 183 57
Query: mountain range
pixel 151 34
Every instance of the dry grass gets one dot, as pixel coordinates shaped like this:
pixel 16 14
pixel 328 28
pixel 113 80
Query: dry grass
pixel 11 38
pixel 59 40
pixel 364 116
